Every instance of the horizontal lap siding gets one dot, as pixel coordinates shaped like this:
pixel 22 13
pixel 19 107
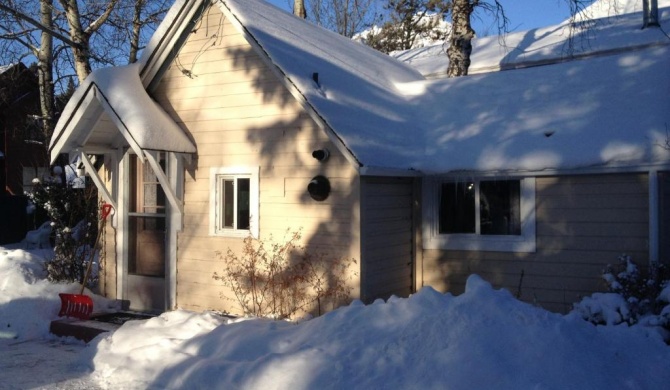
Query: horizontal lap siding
pixel 387 229
pixel 583 224
pixel 239 114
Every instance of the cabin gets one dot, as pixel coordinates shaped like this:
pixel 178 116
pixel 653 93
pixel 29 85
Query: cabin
pixel 242 120
pixel 22 149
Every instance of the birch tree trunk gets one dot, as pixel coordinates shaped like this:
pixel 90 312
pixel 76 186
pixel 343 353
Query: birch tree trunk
pixel 460 42
pixel 45 69
pixel 81 37
pixel 299 9
pixel 135 34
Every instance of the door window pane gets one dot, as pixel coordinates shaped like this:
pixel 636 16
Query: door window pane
pixel 146 255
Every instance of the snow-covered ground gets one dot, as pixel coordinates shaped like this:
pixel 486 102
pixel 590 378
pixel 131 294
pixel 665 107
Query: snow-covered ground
pixel 482 339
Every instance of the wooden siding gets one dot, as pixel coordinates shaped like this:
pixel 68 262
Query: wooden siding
pixel 583 224
pixel 239 114
pixel 387 237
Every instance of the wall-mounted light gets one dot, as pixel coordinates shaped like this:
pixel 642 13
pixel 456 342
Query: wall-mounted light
pixel 319 188
pixel 321 154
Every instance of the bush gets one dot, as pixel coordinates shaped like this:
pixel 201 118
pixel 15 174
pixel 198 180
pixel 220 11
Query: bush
pixel 633 297
pixel 66 207
pixel 281 279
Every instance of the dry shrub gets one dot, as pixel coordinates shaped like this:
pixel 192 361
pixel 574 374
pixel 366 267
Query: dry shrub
pixel 281 279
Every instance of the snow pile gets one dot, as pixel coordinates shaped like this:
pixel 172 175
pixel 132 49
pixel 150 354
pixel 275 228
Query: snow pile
pixel 28 302
pixel 482 339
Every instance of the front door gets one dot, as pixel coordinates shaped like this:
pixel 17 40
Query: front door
pixel 146 288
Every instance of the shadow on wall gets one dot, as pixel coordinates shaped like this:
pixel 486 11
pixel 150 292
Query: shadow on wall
pixel 257 121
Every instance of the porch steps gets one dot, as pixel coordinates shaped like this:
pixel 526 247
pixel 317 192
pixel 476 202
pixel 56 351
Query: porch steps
pixel 87 330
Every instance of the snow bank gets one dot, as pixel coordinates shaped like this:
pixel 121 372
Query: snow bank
pixel 481 339
pixel 28 302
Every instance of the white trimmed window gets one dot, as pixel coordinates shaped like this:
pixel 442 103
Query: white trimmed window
pixel 233 201
pixel 480 214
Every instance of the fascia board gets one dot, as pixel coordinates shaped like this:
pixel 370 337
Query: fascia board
pixel 81 121
pixel 167 42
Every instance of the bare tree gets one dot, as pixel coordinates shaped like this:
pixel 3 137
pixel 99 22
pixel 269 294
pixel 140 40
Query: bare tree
pixel 144 14
pixel 81 36
pixel 409 20
pixel 346 17
pixel 22 37
pixel 71 36
pixel 45 69
pixel 460 42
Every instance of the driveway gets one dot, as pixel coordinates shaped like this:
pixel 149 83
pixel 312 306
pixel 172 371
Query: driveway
pixel 43 364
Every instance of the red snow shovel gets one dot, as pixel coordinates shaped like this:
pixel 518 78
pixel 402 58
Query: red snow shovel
pixel 80 305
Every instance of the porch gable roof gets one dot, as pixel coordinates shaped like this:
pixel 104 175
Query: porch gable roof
pixel 118 93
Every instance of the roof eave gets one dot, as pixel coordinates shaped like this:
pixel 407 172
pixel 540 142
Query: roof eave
pixel 79 124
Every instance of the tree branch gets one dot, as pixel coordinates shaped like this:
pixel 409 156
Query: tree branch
pixel 39 26
pixel 95 25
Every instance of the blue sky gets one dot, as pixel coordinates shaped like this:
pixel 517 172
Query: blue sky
pixel 523 14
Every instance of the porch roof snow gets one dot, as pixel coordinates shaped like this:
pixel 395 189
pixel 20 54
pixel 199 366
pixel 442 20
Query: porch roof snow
pixel 117 92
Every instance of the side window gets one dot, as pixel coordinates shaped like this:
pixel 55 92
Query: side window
pixel 480 214
pixel 482 207
pixel 234 201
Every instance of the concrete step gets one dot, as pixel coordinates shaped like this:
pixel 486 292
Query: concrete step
pixel 87 330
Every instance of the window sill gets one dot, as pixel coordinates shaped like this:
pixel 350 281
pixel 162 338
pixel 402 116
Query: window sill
pixel 231 233
pixel 471 242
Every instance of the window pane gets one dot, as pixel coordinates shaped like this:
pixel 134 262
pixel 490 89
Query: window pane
pixel 243 203
pixel 146 252
pixel 228 203
pixel 500 207
pixel 457 208
pixel 154 198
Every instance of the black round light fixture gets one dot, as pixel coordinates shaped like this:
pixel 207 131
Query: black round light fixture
pixel 319 188
pixel 321 154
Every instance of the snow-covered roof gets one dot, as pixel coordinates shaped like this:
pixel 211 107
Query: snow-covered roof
pixel 605 105
pixel 602 109
pixel 116 94
pixel 563 42
pixel 357 94
pixel 611 110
